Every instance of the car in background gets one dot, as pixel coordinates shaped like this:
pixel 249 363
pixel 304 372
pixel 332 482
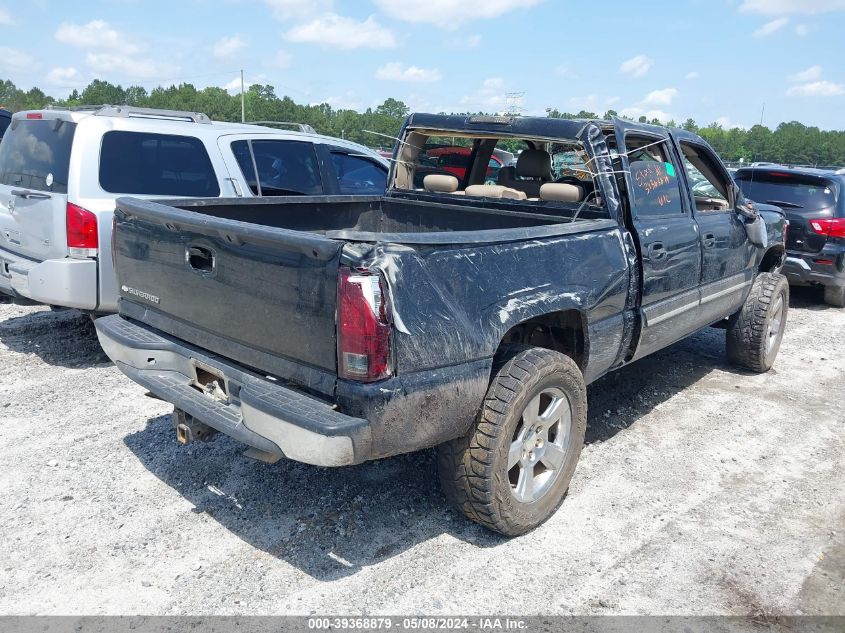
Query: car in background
pixel 453 160
pixel 62 169
pixel 813 202
pixel 5 120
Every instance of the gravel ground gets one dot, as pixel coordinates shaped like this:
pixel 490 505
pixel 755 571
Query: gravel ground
pixel 702 490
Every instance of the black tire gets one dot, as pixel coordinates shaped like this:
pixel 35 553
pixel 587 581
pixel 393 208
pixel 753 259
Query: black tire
pixel 473 469
pixel 755 332
pixel 835 296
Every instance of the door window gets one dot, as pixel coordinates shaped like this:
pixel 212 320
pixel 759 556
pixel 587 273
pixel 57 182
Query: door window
pixel 357 175
pixel 279 168
pixel 156 165
pixel 708 182
pixel 654 179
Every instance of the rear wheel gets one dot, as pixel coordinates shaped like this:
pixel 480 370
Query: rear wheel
pixel 511 471
pixel 835 296
pixel 756 331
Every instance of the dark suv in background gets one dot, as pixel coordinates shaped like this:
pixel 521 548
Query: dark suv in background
pixel 5 120
pixel 814 204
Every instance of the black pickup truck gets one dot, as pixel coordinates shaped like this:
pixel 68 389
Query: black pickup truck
pixel 463 314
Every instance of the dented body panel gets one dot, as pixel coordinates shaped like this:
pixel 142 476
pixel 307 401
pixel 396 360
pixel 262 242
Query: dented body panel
pixel 248 292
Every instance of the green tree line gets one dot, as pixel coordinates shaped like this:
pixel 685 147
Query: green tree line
pixel 790 142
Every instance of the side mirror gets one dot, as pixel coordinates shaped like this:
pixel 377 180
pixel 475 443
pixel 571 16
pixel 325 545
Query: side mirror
pixel 746 209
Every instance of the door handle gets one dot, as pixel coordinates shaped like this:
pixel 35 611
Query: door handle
pixel 709 240
pixel 656 250
pixel 200 259
pixel 26 193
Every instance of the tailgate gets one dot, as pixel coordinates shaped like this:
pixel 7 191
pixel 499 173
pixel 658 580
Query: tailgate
pixel 269 289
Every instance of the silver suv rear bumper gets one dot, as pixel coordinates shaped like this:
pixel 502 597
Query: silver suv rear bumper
pixel 62 282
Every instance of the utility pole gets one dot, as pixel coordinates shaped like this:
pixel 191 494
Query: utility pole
pixel 514 102
pixel 243 103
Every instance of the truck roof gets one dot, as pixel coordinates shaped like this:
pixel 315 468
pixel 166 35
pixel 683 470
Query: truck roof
pixel 528 126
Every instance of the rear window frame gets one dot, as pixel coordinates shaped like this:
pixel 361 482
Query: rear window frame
pixel 215 179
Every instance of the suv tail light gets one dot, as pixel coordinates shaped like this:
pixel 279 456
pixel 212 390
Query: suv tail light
pixel 363 326
pixel 82 238
pixel 828 227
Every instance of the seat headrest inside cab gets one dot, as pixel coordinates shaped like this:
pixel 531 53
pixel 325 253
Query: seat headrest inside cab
pixel 440 183
pixel 534 163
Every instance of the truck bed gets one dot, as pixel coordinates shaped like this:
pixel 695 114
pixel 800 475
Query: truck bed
pixel 396 218
pixel 256 280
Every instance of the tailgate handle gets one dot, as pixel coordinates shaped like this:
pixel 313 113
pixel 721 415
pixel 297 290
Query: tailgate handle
pixel 200 259
pixel 26 193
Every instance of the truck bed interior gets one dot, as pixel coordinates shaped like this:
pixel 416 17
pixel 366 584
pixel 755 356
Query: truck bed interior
pixel 395 214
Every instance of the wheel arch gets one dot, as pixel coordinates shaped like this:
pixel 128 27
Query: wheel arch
pixel 773 259
pixel 563 331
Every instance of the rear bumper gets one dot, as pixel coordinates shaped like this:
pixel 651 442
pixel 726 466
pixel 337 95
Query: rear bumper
pixel 63 282
pixel 805 269
pixel 364 422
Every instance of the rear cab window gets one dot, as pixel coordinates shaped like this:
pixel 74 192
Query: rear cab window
pixel 156 164
pixel 278 167
pixel 35 154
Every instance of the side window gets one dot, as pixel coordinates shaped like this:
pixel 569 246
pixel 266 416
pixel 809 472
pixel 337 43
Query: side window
pixel 357 175
pixel 284 168
pixel 708 182
pixel 156 164
pixel 654 179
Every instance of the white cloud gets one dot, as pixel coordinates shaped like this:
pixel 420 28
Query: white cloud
pixel 820 88
pixel 298 9
pixel 228 47
pixel 810 74
pixel 781 7
pixel 346 101
pixel 802 30
pixel 394 71
pixel 282 60
pixel 636 66
pixel 770 28
pixel 635 112
pixel 660 97
pixel 490 96
pixel 338 31
pixel 5 18
pixel 450 14
pixel 728 124
pixel 15 60
pixel 95 35
pixel 591 103
pixel 68 77
pixel 129 67
pixel 692 75
pixel 464 42
pixel 234 86
pixel 566 72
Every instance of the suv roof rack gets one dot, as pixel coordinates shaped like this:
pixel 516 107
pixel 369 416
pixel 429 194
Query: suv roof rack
pixel 132 111
pixel 297 127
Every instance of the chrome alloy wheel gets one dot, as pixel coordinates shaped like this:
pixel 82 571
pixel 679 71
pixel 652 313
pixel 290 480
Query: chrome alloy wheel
pixel 539 446
pixel 775 325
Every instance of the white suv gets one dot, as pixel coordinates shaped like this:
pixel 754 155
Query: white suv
pixel 62 169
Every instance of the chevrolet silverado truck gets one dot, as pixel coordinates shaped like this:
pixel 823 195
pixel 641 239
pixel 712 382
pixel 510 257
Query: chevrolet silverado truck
pixel 461 314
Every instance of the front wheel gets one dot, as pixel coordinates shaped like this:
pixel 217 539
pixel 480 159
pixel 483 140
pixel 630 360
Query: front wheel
pixel 511 471
pixel 756 331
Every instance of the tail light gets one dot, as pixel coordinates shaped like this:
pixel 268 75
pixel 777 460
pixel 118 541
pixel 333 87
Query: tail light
pixel 829 227
pixel 82 238
pixel 363 326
